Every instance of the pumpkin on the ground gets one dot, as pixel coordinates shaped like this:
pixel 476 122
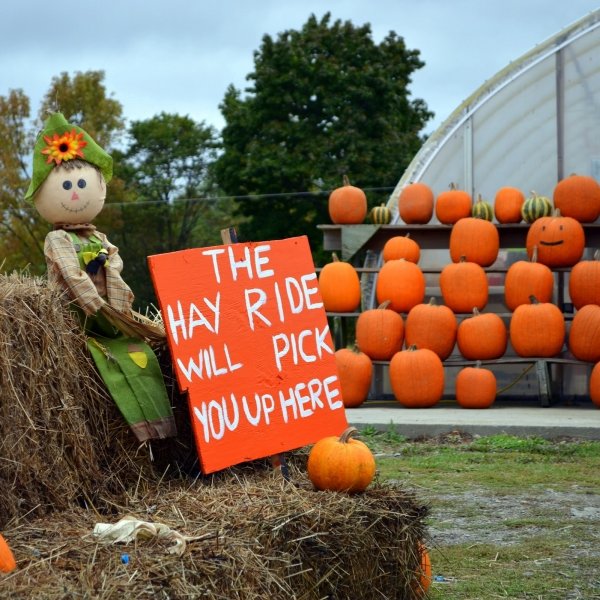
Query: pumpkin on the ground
pixel 339 285
pixel 401 246
pixel 417 377
pixel 578 196
pixel 537 329
pixel 595 384
pixel 584 282
pixel 380 215
pixel 347 204
pixel 476 387
pixel 7 559
pixel 482 209
pixel 380 332
pixel 355 371
pixel 536 207
pixel 560 240
pixel 482 336
pixel 452 205
pixel 508 204
pixel 526 278
pixel 415 203
pixel 432 326
pixel 584 335
pixel 475 239
pixel 464 286
pixel 402 283
pixel 341 464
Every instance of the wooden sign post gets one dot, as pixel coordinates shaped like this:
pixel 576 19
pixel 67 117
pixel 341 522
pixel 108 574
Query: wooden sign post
pixel 250 343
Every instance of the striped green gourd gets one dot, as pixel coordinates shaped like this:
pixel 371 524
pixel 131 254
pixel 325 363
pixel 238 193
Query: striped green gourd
pixel 535 207
pixel 381 215
pixel 482 209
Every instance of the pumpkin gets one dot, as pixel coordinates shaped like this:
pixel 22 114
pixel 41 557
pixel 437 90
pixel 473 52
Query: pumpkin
pixel 560 240
pixel 464 286
pixel 537 329
pixel 475 239
pixel 482 336
pixel 452 205
pixel 482 210
pixel 7 559
pixel 402 283
pixel 339 285
pixel 415 203
pixel 508 203
pixel 584 336
pixel 380 215
pixel 341 464
pixel 431 326
pixel 595 385
pixel 584 282
pixel 536 207
pixel 475 387
pixel 401 246
pixel 424 570
pixel 527 278
pixel 355 371
pixel 379 332
pixel 347 204
pixel 417 377
pixel 578 197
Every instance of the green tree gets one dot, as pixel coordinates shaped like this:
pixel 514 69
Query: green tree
pixel 323 102
pixel 166 167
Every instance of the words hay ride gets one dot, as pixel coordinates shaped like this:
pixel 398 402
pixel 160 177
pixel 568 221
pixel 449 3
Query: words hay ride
pixel 251 345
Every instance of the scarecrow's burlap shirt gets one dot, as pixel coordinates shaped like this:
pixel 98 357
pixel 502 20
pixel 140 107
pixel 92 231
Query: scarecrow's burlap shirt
pixel 90 292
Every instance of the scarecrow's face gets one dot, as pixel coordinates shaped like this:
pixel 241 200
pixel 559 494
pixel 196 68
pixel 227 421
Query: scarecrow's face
pixel 71 196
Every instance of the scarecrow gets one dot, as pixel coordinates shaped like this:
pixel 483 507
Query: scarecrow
pixel 68 188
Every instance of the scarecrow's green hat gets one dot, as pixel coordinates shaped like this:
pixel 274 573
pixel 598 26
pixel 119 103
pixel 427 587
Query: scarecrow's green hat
pixel 59 142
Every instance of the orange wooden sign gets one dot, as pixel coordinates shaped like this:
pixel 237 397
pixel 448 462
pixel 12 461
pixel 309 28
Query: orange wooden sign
pixel 250 343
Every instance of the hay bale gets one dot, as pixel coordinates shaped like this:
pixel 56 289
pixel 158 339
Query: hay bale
pixel 62 440
pixel 253 536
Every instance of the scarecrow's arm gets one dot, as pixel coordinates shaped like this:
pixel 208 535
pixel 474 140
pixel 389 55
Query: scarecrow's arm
pixel 63 262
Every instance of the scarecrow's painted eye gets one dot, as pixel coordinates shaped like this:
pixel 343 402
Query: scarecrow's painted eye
pixel 67 185
pixel 81 183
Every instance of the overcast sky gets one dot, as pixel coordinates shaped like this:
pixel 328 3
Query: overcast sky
pixel 179 56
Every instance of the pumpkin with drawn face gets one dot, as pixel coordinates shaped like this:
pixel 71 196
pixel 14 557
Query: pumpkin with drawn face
pixel 560 240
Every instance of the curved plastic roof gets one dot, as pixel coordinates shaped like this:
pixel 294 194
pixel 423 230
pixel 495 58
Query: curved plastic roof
pixel 535 122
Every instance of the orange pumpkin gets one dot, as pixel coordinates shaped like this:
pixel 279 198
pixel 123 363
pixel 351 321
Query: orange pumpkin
pixel 355 371
pixel 341 464
pixel 347 204
pixel 417 377
pixel 402 283
pixel 401 246
pixel 475 387
pixel 464 286
pixel 560 240
pixel 379 332
pixel 537 329
pixel 578 197
pixel 507 205
pixel 339 285
pixel 475 239
pixel 7 559
pixel 595 385
pixel 584 282
pixel 452 205
pixel 482 336
pixel 584 336
pixel 431 326
pixel 528 278
pixel 415 203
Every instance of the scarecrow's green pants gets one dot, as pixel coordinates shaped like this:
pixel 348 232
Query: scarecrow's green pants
pixel 132 375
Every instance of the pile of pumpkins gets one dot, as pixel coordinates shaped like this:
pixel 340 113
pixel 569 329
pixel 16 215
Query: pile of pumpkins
pixel 416 336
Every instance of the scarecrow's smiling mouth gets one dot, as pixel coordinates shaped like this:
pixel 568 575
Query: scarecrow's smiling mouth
pixel 75 210
pixel 557 243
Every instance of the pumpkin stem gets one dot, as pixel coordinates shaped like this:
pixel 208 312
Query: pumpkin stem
pixel 334 257
pixel 347 434
pixel 452 185
pixel 475 311
pixel 533 299
pixel 345 179
pixel 463 258
pixel 412 348
pixel 432 301
pixel 478 364
pixel 597 254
